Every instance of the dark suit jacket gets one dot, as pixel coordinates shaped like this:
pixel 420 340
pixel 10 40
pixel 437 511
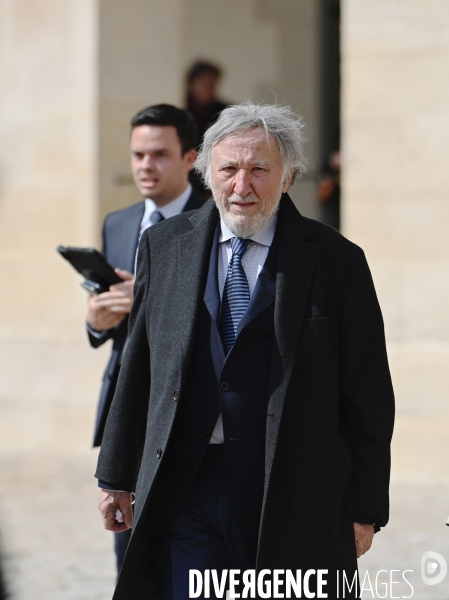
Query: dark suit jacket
pixel 120 238
pixel 330 410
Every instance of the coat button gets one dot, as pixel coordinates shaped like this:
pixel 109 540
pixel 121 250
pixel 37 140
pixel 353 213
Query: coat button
pixel 176 395
pixel 224 386
pixel 159 453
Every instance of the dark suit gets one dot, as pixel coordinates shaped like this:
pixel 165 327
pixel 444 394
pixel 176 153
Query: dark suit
pixel 121 231
pixel 329 400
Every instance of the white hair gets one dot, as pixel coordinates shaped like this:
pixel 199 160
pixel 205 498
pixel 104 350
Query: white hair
pixel 280 121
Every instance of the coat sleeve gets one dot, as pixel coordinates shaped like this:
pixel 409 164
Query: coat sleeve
pixel 366 393
pixel 124 436
pixel 98 340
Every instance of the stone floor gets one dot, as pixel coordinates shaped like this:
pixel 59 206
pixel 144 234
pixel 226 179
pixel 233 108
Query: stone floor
pixel 417 525
pixel 54 547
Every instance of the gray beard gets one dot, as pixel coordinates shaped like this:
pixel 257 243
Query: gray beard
pixel 246 227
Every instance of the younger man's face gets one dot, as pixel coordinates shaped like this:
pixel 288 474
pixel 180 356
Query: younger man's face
pixel 159 168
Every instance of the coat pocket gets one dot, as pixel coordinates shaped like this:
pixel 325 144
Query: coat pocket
pixel 316 324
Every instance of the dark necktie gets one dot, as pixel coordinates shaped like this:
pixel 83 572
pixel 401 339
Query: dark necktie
pixel 235 294
pixel 156 217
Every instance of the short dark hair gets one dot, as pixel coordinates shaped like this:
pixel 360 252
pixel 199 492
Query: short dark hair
pixel 168 115
pixel 200 67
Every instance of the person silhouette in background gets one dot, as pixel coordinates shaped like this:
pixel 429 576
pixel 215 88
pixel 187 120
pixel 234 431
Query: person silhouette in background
pixel 202 102
pixel 328 192
pixel 3 593
pixel 328 189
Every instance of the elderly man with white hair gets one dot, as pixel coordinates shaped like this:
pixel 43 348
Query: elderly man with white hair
pixel 254 409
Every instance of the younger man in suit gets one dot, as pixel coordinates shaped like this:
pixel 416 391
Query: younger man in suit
pixel 162 145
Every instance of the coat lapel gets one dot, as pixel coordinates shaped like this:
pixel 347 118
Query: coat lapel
pixel 213 304
pixel 212 293
pixel 129 238
pixel 296 261
pixel 194 254
pixel 123 237
pixel 263 296
pixel 124 246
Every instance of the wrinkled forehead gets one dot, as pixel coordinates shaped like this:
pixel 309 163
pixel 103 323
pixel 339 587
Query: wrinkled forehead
pixel 254 143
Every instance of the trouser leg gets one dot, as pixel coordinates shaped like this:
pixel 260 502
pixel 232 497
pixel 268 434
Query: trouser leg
pixel 121 541
pixel 202 533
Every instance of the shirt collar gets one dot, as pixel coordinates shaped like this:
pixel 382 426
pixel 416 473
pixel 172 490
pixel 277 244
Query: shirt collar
pixel 171 208
pixel 264 236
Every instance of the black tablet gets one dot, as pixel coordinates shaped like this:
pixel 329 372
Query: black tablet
pixel 98 273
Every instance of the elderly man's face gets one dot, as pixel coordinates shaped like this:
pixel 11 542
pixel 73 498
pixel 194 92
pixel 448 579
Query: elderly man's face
pixel 247 180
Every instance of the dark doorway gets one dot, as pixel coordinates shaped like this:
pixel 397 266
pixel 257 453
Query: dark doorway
pixel 3 593
pixel 329 181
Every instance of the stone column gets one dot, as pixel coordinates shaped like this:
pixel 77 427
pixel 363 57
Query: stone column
pixel 48 185
pixel 140 63
pixel 395 183
pixel 72 74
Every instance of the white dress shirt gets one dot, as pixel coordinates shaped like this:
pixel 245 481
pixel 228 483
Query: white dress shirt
pixel 253 260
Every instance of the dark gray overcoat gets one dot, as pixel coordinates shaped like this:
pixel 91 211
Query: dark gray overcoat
pixel 121 232
pixel 330 411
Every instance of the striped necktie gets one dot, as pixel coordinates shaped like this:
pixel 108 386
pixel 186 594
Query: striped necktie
pixel 235 294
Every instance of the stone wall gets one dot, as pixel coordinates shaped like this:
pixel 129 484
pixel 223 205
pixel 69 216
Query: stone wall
pixel 48 196
pixel 72 74
pixel 145 47
pixel 395 152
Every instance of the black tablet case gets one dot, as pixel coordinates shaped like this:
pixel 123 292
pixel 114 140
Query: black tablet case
pixel 91 264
